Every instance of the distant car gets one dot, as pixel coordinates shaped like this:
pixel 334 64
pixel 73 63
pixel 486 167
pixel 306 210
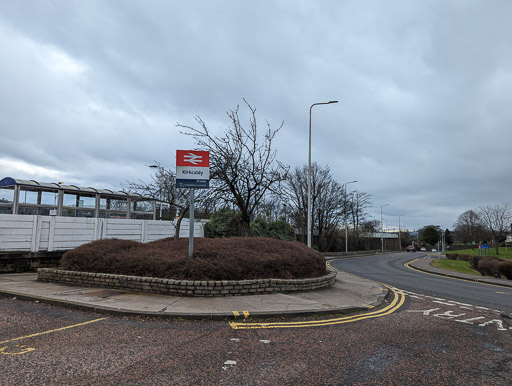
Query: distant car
pixel 423 249
pixel 434 250
pixel 410 248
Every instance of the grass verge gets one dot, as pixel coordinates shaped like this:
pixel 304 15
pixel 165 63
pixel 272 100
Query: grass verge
pixel 505 253
pixel 455 265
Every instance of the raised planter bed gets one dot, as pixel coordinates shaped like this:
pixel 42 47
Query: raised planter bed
pixel 207 288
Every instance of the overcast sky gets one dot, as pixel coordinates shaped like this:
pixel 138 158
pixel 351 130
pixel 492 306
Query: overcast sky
pixel 90 91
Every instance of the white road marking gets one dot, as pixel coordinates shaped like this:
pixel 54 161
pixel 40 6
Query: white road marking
pixel 425 312
pixel 462 304
pixel 228 364
pixel 448 315
pixel 468 321
pixel 448 304
pixel 498 322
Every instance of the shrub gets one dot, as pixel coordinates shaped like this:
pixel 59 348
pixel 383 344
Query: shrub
pixel 488 266
pixel 452 256
pixel 464 257
pixel 236 258
pixel 473 261
pixel 224 223
pixel 276 229
pixel 505 269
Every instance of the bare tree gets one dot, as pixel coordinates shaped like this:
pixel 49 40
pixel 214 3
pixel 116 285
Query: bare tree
pixel 327 201
pixel 497 219
pixel 243 165
pixel 163 188
pixel 469 227
pixel 357 206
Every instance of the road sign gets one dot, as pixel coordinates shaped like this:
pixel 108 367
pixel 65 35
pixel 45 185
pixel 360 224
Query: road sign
pixel 192 169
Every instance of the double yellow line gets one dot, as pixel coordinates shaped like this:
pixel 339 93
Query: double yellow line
pixel 396 303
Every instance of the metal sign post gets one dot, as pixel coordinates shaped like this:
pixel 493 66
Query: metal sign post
pixel 192 171
pixel 191 226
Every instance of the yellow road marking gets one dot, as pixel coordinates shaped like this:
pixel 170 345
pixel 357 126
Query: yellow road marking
pixel 51 331
pixel 246 314
pixel 396 303
pixel 17 347
pixel 236 313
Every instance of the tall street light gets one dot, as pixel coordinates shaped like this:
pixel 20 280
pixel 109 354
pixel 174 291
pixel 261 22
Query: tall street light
pixel 345 214
pixel 399 237
pixel 160 195
pixel 309 170
pixel 381 228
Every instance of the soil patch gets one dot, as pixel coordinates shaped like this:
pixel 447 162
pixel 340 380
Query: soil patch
pixel 237 258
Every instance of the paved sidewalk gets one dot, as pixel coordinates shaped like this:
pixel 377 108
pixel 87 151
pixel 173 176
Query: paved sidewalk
pixel 425 266
pixel 349 294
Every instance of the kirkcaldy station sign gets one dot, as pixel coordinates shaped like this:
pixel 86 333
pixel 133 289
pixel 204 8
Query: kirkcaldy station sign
pixel 192 169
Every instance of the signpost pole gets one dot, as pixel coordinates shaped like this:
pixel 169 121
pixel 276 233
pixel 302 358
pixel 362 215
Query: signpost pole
pixel 191 226
pixel 192 172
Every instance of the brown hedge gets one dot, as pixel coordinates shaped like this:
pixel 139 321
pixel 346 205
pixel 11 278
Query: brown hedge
pixel 505 268
pixel 236 258
pixel 488 267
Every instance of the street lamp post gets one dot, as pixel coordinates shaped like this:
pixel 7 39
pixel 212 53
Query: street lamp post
pixel 381 228
pixel 345 215
pixel 160 193
pixel 309 170
pixel 399 237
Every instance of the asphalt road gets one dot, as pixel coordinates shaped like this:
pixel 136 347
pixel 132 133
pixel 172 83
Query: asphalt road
pixel 390 269
pixel 429 340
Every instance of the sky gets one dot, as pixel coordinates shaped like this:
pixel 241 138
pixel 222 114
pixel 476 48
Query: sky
pixel 91 91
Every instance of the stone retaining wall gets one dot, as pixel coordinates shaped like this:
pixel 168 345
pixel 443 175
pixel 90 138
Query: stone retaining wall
pixel 184 287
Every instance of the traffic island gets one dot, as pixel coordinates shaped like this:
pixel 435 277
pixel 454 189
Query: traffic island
pixel 198 288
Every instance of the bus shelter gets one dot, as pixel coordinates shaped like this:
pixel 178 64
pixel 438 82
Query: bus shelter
pixel 55 199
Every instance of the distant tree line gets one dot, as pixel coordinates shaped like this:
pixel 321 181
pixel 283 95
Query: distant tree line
pixel 485 224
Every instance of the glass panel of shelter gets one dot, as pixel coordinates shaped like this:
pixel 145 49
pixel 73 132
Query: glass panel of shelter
pixel 6 196
pixel 28 197
pixel 6 200
pixel 33 202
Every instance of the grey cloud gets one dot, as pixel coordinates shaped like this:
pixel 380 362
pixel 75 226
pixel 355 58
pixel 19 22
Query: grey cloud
pixel 424 89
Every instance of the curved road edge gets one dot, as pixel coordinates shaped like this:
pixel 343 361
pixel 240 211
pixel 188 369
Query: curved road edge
pixel 425 265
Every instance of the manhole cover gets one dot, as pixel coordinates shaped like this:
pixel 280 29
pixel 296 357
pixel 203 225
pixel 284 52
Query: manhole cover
pixel 106 293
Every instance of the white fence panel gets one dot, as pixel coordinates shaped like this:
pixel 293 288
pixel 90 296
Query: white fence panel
pixel 71 232
pixel 16 232
pixel 50 233
pixel 124 229
pixel 157 230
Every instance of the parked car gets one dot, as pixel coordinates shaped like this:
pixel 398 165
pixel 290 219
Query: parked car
pixel 423 249
pixel 410 248
pixel 434 250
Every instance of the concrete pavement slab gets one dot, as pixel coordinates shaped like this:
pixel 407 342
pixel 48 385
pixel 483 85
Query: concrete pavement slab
pixel 349 294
